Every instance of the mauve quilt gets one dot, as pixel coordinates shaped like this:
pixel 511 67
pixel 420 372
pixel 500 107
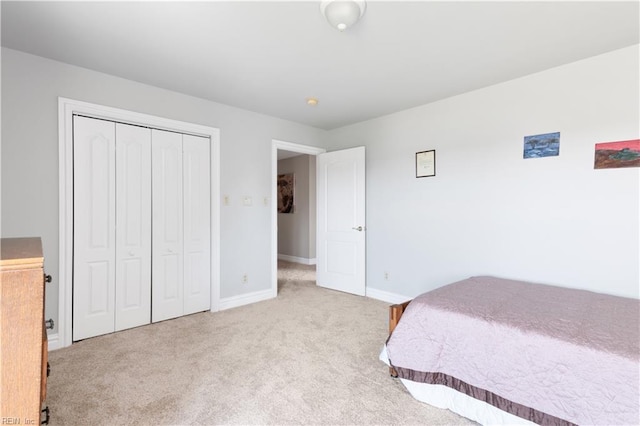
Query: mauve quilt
pixel 548 354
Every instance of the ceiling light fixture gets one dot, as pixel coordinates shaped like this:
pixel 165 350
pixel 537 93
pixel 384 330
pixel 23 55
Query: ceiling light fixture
pixel 342 14
pixel 312 101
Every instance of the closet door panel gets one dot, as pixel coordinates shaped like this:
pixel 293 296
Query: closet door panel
pixel 133 226
pixel 197 224
pixel 167 226
pixel 93 227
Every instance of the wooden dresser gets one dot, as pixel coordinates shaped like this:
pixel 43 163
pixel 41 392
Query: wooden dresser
pixel 23 339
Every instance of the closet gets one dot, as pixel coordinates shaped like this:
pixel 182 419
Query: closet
pixel 142 233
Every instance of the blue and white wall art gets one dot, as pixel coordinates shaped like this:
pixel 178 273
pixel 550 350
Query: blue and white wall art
pixel 545 145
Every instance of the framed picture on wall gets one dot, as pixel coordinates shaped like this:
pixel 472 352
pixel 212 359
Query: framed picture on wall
pixel 426 163
pixel 286 193
pixel 546 145
pixel 613 155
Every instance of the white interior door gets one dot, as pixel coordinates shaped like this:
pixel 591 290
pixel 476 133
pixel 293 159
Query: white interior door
pixel 133 226
pixel 167 226
pixel 197 224
pixel 93 227
pixel 341 220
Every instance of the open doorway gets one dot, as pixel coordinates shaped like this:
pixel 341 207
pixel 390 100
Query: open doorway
pixel 293 218
pixel 341 236
pixel 296 206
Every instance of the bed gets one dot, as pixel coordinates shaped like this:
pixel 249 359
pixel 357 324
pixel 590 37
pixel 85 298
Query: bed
pixel 502 351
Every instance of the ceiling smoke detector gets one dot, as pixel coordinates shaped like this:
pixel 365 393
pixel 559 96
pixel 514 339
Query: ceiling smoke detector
pixel 342 14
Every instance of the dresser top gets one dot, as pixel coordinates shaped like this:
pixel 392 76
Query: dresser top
pixel 24 252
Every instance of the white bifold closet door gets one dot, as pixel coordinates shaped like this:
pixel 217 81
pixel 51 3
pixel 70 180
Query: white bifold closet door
pixel 133 226
pixel 181 225
pixel 197 223
pixel 142 226
pixel 112 230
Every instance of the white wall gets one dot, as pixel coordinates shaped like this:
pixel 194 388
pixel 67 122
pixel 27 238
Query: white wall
pixel 296 232
pixel 488 211
pixel 553 220
pixel 30 89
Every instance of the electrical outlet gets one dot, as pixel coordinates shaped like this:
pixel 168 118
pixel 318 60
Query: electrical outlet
pixel 226 200
pixel 245 278
pixel 386 276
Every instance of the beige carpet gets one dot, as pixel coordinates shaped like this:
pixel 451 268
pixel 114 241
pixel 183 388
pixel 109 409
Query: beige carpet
pixel 310 356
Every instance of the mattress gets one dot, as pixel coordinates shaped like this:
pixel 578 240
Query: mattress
pixel 545 354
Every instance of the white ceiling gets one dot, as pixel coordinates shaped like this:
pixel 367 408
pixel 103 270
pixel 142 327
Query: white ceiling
pixel 269 56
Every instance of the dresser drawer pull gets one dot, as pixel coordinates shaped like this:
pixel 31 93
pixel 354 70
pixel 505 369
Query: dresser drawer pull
pixel 45 411
pixel 48 324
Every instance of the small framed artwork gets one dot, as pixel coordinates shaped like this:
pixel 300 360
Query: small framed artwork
pixel 286 186
pixel 614 155
pixel 426 163
pixel 546 145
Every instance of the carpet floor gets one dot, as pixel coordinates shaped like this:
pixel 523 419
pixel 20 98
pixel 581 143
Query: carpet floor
pixel 309 356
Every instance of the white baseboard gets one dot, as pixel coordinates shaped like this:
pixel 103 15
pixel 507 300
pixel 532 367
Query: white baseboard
pixel 297 259
pixel 53 342
pixel 385 296
pixel 245 299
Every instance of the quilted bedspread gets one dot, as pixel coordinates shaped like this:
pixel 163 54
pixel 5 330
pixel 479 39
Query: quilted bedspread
pixel 548 354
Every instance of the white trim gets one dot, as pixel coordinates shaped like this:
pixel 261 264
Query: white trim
pixel 275 146
pixel 386 296
pixel 296 259
pixel 245 299
pixel 66 109
pixel 53 342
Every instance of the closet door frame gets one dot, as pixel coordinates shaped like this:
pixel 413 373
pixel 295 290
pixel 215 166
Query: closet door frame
pixel 67 108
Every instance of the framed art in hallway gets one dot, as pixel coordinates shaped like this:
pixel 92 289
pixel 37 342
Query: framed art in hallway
pixel 286 186
pixel 426 163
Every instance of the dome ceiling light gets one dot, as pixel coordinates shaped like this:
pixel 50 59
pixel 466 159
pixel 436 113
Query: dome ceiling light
pixel 342 14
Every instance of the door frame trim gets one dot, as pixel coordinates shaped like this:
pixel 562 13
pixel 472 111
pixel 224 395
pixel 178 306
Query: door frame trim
pixel 286 146
pixel 66 109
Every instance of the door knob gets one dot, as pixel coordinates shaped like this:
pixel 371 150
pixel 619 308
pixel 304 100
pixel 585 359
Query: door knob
pixel 359 228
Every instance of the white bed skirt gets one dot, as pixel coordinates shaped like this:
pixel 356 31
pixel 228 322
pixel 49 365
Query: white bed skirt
pixel 444 397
